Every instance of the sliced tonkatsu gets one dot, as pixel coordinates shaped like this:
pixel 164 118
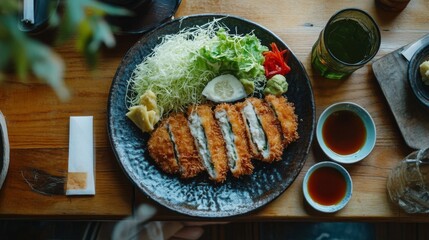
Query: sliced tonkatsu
pixel 208 141
pixel 285 113
pixel 161 149
pixel 226 138
pixel 186 152
pixel 171 146
pixel 234 134
pixel 263 129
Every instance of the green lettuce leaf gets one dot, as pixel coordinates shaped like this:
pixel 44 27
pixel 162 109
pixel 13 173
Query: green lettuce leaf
pixel 234 54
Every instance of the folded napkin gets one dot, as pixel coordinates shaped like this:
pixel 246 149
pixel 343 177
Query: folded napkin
pixel 81 165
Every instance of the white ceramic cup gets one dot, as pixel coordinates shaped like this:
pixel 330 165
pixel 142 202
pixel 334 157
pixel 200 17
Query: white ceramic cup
pixel 371 133
pixel 334 207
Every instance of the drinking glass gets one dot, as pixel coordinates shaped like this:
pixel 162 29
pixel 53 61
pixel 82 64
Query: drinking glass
pixel 350 39
pixel 408 183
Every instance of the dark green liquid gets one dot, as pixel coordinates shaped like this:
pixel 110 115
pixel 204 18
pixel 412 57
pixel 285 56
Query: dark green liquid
pixel 348 41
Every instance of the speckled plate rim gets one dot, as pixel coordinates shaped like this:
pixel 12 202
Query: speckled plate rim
pixel 270 194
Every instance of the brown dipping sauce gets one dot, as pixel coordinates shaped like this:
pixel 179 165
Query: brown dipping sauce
pixel 327 186
pixel 344 132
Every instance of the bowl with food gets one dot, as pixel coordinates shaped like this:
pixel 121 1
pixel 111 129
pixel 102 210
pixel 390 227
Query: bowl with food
pixel 327 187
pixel 346 132
pixel 211 115
pixel 418 75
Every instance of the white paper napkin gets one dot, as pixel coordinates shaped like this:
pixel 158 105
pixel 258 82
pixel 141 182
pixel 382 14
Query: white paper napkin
pixel 81 164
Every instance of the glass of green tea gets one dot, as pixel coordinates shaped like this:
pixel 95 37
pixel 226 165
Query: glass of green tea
pixel 350 39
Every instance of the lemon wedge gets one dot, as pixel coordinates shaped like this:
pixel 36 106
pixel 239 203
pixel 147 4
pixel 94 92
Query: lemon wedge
pixel 224 88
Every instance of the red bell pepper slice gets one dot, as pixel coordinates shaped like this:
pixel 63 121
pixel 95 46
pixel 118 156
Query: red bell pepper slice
pixel 275 62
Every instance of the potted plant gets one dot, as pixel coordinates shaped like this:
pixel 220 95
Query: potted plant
pixel 82 20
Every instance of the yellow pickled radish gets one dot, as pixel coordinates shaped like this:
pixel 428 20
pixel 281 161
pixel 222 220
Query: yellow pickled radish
pixel 224 88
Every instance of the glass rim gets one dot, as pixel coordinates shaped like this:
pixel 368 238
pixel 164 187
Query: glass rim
pixel 378 33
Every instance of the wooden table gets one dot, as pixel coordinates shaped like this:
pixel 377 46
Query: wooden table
pixel 38 122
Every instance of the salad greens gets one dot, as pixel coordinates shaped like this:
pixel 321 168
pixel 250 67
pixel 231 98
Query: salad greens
pixel 179 67
pixel 239 55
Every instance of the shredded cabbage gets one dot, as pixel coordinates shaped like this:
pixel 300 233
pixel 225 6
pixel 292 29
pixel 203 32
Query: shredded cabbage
pixel 180 66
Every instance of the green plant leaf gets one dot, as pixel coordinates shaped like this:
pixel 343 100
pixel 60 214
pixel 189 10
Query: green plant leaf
pixel 20 59
pixel 9 6
pixel 101 34
pixel 91 58
pixel 108 9
pixel 6 54
pixel 84 33
pixel 74 14
pixel 48 67
pixel 54 19
pixel 83 18
pixel 12 49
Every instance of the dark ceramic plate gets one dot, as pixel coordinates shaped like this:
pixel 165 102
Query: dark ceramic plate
pixel 199 196
pixel 146 16
pixel 420 90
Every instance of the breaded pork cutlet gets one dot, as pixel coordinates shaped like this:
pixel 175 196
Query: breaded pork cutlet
pixel 285 112
pixel 161 149
pixel 172 157
pixel 262 128
pixel 234 134
pixel 186 153
pixel 209 141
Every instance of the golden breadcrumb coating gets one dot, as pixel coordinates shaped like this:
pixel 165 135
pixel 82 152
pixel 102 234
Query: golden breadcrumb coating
pixel 215 141
pixel 175 150
pixel 243 164
pixel 253 150
pixel 187 155
pixel 161 149
pixel 285 112
pixel 270 125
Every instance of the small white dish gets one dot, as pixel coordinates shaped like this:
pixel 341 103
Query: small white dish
pixel 370 138
pixel 311 197
pixel 4 150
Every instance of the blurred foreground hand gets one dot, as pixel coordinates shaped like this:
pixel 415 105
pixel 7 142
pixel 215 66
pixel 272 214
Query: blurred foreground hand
pixel 138 227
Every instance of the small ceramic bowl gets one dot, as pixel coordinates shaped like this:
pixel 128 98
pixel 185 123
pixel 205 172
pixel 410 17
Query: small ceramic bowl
pixel 368 123
pixel 310 197
pixel 419 89
pixel 4 150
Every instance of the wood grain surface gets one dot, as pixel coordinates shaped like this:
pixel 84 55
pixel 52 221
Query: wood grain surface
pixel 38 121
pixel 411 116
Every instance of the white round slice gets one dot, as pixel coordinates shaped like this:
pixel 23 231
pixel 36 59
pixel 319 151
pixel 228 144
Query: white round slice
pixel 224 88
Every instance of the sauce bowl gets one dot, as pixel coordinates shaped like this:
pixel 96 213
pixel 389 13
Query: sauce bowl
pixel 333 181
pixel 340 128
